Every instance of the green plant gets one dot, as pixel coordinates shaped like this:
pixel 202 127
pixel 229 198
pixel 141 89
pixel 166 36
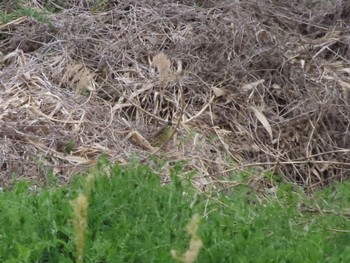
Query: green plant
pixel 12 10
pixel 131 217
pixel 69 147
pixel 99 5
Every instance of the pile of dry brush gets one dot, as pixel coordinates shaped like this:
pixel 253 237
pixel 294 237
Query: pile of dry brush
pixel 250 83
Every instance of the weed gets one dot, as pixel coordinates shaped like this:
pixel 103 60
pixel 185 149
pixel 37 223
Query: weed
pixel 126 215
pixel 13 10
pixel 69 147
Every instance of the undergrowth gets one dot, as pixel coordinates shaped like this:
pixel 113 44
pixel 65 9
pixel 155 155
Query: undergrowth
pixel 18 11
pixel 131 217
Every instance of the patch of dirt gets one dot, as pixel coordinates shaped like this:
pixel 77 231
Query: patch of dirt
pixel 252 83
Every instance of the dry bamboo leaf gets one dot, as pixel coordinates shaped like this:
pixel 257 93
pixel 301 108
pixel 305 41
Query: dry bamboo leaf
pixel 56 61
pixel 252 85
pixel 344 84
pixel 78 160
pixel 276 87
pixel 38 144
pixel 10 57
pixel 70 158
pixel 144 88
pixel 85 82
pixel 331 35
pixel 179 67
pixel 80 77
pixel 138 139
pixel 37 111
pixel 263 120
pixel 15 22
pixel 119 106
pixel 219 92
pixel 163 65
pixel 21 58
pixel 72 72
pixel 27 76
pixel 346 70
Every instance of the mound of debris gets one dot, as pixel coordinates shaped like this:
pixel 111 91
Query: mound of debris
pixel 251 83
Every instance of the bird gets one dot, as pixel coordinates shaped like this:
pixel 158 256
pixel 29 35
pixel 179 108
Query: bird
pixel 162 135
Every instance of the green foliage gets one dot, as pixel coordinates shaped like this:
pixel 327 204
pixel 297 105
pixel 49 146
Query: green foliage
pixel 12 10
pixel 69 147
pixel 34 225
pixel 133 218
pixel 7 17
pixel 99 5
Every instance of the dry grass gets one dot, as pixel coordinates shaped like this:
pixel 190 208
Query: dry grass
pixel 269 81
pixel 195 243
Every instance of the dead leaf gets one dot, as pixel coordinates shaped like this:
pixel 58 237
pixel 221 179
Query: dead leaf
pixel 163 65
pixel 179 67
pixel 263 120
pixel 77 159
pixel 80 77
pixel 276 87
pixel 346 70
pixel 27 76
pixel 343 84
pixel 85 82
pixel 138 139
pixel 252 85
pixel 218 92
